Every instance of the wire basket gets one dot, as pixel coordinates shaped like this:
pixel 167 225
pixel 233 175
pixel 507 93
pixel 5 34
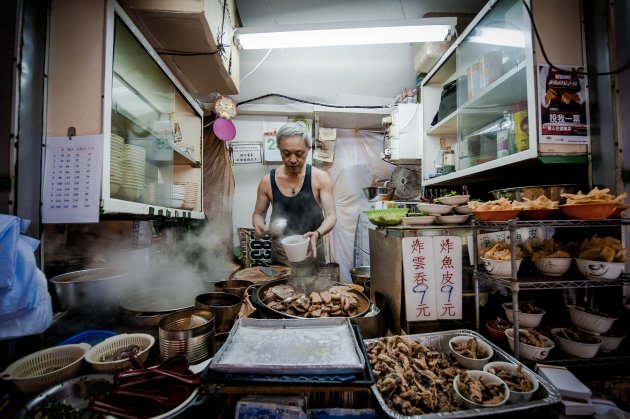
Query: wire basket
pixel 386 217
pixel 117 343
pixel 40 370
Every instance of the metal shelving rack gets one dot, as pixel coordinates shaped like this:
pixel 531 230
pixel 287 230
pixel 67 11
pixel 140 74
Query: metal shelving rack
pixel 515 284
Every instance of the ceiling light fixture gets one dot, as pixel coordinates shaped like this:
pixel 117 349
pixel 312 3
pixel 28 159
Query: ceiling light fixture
pixel 347 33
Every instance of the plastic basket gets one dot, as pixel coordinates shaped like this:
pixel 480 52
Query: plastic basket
pixel 386 217
pixel 40 370
pixel 110 345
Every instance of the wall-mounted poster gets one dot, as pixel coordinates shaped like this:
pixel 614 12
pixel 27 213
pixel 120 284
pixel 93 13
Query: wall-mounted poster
pixel 247 153
pixel 563 101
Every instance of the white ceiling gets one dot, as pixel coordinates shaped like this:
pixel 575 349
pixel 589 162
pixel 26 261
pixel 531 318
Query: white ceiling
pixel 357 75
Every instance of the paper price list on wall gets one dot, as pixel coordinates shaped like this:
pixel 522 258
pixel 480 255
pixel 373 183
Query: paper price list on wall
pixel 72 179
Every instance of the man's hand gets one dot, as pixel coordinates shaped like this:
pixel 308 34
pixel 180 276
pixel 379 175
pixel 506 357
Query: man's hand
pixel 568 97
pixel 260 230
pixel 312 248
pixel 549 96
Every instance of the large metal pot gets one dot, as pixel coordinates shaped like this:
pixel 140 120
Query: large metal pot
pixel 91 290
pixel 307 287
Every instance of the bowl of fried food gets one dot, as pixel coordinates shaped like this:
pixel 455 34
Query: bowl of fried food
pixel 497 260
pixel 528 314
pixel 576 343
pixel 597 204
pixel 541 208
pixel 496 329
pixel 533 345
pixel 549 258
pixel 470 352
pixel 601 258
pixel 480 389
pixel 590 319
pixel 501 209
pixel 521 382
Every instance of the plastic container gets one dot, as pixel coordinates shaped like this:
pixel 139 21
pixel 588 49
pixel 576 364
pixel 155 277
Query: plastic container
pixel 92 337
pixel 296 247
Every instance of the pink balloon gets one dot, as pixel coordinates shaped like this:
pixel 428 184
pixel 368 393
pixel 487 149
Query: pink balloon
pixel 224 129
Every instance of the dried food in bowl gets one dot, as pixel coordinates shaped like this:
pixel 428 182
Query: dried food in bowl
pixel 533 346
pixel 595 269
pixel 42 369
pixel 496 329
pixel 576 343
pixel 528 314
pixel 611 339
pixel 553 266
pixel 590 319
pixel 494 392
pixel 470 352
pixel 112 355
pixel 521 382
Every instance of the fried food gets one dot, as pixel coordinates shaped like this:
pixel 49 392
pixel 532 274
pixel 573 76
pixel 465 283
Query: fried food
pixel 470 349
pixel 576 335
pixel 604 249
pixel 531 337
pixel 412 378
pixel 501 204
pixel 595 196
pixel 528 307
pixel 501 251
pixel 478 391
pixel 516 380
pixel 548 249
pixel 542 202
pixel 501 325
pixel 336 301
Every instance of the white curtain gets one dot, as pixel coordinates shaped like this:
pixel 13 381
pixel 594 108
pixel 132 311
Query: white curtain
pixel 357 164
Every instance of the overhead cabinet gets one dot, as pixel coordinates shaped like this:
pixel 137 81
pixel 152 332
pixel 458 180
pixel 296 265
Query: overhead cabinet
pixel 480 99
pixel 152 128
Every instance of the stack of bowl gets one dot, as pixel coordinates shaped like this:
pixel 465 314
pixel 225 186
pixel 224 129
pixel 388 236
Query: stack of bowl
pixel 159 194
pixel 117 157
pixel 190 194
pixel 133 171
pixel 178 194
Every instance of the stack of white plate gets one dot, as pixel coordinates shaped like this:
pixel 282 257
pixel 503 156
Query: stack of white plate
pixel 159 194
pixel 116 175
pixel 133 171
pixel 178 193
pixel 190 194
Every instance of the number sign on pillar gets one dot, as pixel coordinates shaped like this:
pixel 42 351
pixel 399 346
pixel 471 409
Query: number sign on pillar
pixel 419 282
pixel 447 254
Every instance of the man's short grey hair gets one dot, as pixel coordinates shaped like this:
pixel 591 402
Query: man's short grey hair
pixel 292 129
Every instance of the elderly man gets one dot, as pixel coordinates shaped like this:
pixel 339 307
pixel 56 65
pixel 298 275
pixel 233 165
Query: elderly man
pixel 298 193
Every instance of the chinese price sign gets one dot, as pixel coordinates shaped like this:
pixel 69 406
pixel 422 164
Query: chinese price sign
pixel 246 153
pixel 72 179
pixel 447 253
pixel 419 279
pixel 562 96
pixel 432 272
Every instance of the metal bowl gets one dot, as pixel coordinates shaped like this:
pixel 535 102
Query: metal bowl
pixel 553 192
pixel 378 193
pixel 233 286
pixel 75 392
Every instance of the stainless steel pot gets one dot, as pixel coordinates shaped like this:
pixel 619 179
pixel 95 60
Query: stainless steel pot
pixel 378 193
pixel 91 290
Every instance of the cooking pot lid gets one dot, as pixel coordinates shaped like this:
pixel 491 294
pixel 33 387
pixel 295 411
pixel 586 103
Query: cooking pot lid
pixel 158 300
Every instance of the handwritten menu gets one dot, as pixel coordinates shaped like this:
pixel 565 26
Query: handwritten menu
pixel 432 276
pixel 72 179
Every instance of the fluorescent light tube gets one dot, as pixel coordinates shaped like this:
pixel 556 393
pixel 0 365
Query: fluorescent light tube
pixel 346 33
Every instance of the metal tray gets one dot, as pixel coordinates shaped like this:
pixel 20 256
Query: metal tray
pixel 362 379
pixel 547 394
pixel 290 347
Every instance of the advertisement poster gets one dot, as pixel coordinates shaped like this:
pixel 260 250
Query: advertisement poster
pixel 562 97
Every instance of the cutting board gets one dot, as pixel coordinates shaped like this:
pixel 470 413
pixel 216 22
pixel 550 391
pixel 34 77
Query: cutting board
pixel 256 275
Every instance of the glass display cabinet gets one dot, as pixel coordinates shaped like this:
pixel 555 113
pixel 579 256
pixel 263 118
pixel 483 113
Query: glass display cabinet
pixel 153 131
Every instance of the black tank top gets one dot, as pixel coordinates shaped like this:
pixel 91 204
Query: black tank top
pixel 301 211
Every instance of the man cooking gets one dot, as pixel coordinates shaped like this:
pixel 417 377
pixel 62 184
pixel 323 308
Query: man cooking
pixel 298 193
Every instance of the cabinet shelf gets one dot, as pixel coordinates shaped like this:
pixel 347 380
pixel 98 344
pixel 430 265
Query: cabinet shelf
pixel 527 282
pixel 504 225
pixel 113 206
pixel 446 126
